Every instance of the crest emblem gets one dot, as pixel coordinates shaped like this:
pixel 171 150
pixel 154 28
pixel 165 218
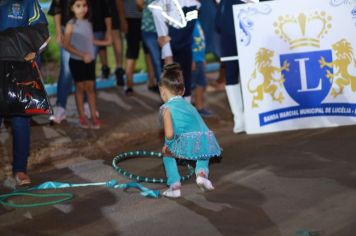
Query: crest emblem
pixel 16 11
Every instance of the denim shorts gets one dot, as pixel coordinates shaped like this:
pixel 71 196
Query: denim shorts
pixel 198 75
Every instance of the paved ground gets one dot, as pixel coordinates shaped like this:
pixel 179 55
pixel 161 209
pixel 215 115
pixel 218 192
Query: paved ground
pixel 271 184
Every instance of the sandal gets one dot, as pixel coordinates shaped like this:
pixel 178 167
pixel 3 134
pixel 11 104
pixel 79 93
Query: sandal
pixel 22 179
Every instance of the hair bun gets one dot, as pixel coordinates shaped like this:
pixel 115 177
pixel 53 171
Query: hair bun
pixel 172 66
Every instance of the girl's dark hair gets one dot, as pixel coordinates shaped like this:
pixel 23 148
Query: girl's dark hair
pixel 71 13
pixel 172 78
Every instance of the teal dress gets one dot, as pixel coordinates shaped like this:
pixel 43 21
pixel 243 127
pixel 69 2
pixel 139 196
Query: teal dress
pixel 192 138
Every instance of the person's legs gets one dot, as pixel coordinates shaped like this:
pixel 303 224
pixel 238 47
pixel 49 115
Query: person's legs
pixel 117 45
pixel 233 86
pixel 64 87
pixel 130 68
pixel 173 177
pixel 184 57
pixel 101 50
pixel 65 81
pixel 133 39
pixel 150 73
pixel 150 41
pixel 202 168
pixel 118 48
pixel 79 99
pixel 21 146
pixel 199 83
pixel 202 173
pixel 89 89
pixel 105 69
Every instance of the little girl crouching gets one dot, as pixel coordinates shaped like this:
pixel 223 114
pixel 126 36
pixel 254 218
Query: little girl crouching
pixel 186 134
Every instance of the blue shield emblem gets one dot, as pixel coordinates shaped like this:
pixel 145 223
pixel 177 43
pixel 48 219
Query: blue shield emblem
pixel 305 81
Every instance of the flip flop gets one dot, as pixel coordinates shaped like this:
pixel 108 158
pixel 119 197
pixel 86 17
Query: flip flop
pixel 22 179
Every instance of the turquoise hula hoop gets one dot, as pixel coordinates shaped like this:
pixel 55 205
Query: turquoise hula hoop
pixel 127 155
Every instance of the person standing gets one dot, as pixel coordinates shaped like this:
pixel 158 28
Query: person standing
pixel 59 11
pixel 79 41
pixel 149 38
pixel 28 18
pixel 175 33
pixel 225 26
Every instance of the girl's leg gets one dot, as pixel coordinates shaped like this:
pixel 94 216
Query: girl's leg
pixel 89 89
pixel 173 178
pixel 202 173
pixel 79 98
pixel 202 168
pixel 171 168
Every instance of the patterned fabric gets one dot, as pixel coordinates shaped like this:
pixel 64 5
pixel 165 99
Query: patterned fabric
pixel 131 10
pixel 147 23
pixel 192 138
pixel 198 46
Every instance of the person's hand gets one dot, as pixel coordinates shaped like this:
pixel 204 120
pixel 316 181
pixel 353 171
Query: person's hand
pixel 30 57
pixel 163 40
pixel 87 58
pixel 59 39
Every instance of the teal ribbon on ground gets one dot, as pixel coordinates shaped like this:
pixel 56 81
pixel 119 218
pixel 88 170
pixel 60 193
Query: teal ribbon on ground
pixel 146 192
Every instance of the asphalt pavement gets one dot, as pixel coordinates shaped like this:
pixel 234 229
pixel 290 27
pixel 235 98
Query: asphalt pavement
pixel 288 183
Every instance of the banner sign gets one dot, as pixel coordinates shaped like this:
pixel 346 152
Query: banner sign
pixel 297 63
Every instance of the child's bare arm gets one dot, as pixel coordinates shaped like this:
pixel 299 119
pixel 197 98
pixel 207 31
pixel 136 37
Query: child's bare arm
pixel 167 124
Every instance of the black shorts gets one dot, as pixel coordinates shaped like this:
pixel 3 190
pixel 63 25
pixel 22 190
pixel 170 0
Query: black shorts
pixel 82 71
pixel 114 15
pixel 134 38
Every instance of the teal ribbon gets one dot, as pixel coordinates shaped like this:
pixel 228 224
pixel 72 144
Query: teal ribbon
pixel 146 192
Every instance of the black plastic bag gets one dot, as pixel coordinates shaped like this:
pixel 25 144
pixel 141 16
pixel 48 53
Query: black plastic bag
pixel 21 90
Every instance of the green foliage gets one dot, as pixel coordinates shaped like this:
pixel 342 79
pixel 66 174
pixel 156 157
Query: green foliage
pixel 51 54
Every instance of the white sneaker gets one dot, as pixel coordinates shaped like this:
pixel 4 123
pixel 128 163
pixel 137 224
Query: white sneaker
pixel 204 184
pixel 172 193
pixel 58 115
pixel 87 111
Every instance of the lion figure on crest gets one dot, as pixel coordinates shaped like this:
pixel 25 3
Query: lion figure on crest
pixel 341 75
pixel 269 84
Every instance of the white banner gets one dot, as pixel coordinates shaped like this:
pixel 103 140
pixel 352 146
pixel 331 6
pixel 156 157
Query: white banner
pixel 297 63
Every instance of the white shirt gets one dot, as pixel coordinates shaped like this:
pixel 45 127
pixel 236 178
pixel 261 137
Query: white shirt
pixel 170 12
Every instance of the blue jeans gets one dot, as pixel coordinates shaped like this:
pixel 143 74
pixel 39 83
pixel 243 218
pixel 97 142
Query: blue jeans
pixel 65 81
pixel 150 41
pixel 20 142
pixel 172 173
pixel 100 35
pixel 198 75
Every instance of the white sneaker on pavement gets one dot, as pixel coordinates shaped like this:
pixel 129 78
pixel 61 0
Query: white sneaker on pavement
pixel 59 114
pixel 204 184
pixel 173 191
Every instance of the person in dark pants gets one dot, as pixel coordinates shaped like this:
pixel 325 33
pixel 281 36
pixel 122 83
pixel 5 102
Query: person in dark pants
pixel 176 39
pixel 225 26
pixel 23 15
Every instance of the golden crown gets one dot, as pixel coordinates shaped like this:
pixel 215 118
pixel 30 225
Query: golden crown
pixel 303 30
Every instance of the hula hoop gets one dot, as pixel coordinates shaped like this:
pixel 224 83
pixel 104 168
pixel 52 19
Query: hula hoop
pixel 127 155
